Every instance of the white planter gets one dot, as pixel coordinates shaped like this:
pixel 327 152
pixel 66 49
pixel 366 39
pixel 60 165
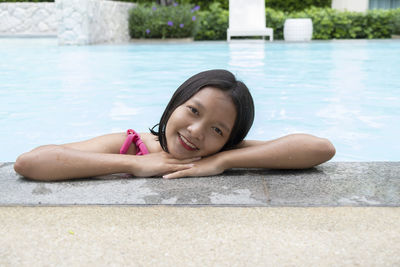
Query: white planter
pixel 298 30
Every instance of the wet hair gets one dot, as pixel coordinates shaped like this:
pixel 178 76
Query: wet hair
pixel 226 82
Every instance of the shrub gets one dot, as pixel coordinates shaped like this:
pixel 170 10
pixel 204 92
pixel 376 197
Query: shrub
pixel 395 14
pixel 154 21
pixel 206 4
pixel 3 1
pixel 295 5
pixel 378 24
pixel 284 5
pixel 213 23
pixel 333 24
pixel 275 19
pixel 324 21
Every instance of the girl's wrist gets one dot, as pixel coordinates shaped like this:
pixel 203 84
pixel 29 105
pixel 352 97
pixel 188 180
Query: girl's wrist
pixel 128 164
pixel 225 160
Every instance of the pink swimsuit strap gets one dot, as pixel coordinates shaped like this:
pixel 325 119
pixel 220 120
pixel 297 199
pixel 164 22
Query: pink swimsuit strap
pixel 133 137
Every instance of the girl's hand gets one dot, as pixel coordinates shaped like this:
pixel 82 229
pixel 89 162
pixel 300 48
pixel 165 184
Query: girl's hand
pixel 204 167
pixel 160 163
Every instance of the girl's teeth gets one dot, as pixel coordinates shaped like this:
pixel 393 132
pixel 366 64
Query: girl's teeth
pixel 187 142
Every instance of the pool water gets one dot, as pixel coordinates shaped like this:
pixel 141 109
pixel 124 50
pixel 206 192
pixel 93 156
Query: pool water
pixel 346 91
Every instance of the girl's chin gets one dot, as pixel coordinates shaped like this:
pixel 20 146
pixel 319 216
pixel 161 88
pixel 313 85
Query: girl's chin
pixel 179 155
pixel 178 151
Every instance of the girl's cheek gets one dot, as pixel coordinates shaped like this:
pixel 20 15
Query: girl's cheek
pixel 180 114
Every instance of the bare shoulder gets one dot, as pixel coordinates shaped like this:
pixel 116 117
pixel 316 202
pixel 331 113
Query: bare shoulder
pixel 151 142
pixel 108 143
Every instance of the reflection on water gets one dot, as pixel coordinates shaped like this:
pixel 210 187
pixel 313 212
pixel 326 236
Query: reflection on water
pixel 246 55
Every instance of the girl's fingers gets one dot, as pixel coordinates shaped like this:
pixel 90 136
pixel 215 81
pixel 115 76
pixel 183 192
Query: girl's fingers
pixel 179 167
pixel 177 174
pixel 180 171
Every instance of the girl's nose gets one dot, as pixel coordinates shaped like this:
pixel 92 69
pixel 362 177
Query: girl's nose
pixel 196 130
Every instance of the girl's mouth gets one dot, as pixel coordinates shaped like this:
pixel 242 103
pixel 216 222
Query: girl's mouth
pixel 186 143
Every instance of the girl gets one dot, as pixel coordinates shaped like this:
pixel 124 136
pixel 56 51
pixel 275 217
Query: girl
pixel 200 133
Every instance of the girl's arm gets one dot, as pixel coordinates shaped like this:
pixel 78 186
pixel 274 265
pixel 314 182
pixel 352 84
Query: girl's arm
pixel 295 151
pixel 97 156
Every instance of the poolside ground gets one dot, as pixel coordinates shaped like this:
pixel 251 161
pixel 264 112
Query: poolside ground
pixel 345 214
pixel 206 236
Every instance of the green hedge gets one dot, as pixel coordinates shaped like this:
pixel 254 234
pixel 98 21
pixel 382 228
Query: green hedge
pixel 206 4
pixel 296 5
pixel 213 23
pixel 3 1
pixel 284 5
pixel 154 21
pixel 333 24
pixel 396 22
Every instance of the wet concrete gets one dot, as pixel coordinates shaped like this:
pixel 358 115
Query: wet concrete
pixel 330 184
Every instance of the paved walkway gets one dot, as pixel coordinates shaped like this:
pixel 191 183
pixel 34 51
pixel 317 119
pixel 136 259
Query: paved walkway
pixel 154 222
pixel 206 236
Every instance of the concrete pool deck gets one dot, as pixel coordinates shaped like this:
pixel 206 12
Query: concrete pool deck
pixel 330 184
pixel 339 213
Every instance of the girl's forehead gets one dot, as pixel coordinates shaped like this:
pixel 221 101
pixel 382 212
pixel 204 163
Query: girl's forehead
pixel 212 93
pixel 215 101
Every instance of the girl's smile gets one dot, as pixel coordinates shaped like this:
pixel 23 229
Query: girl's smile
pixel 186 143
pixel 202 125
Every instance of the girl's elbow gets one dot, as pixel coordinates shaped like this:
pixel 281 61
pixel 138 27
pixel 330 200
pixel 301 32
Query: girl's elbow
pixel 26 166
pixel 23 164
pixel 325 149
pixel 29 163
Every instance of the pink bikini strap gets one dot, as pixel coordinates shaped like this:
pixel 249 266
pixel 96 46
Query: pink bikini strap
pixel 133 137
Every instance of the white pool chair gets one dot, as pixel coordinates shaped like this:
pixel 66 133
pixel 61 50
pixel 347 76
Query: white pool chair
pixel 247 18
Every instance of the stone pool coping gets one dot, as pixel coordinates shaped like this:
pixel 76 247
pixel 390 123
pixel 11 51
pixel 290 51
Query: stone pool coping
pixel 330 184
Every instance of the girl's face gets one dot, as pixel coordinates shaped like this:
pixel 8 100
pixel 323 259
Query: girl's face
pixel 201 126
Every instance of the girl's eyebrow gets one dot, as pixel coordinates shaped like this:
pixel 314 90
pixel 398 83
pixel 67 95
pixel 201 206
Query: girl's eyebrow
pixel 220 124
pixel 198 103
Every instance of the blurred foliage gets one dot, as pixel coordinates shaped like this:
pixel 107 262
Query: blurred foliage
pixel 3 1
pixel 329 23
pixel 296 5
pixel 204 4
pixel 284 5
pixel 396 21
pixel 155 21
pixel 213 23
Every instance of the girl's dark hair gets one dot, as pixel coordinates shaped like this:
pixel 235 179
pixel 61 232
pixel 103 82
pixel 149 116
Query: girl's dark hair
pixel 223 80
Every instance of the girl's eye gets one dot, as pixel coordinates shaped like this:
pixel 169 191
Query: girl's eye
pixel 218 131
pixel 193 110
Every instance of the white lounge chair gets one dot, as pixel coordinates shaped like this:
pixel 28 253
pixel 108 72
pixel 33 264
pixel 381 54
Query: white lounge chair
pixel 247 18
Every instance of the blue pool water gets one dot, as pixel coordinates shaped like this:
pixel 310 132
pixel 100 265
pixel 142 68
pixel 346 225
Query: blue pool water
pixel 347 91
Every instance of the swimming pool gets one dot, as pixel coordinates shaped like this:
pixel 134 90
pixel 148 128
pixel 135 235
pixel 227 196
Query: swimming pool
pixel 347 91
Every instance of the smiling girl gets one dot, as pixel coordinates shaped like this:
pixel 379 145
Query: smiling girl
pixel 201 133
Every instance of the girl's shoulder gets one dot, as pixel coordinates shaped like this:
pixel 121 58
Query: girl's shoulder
pixel 151 142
